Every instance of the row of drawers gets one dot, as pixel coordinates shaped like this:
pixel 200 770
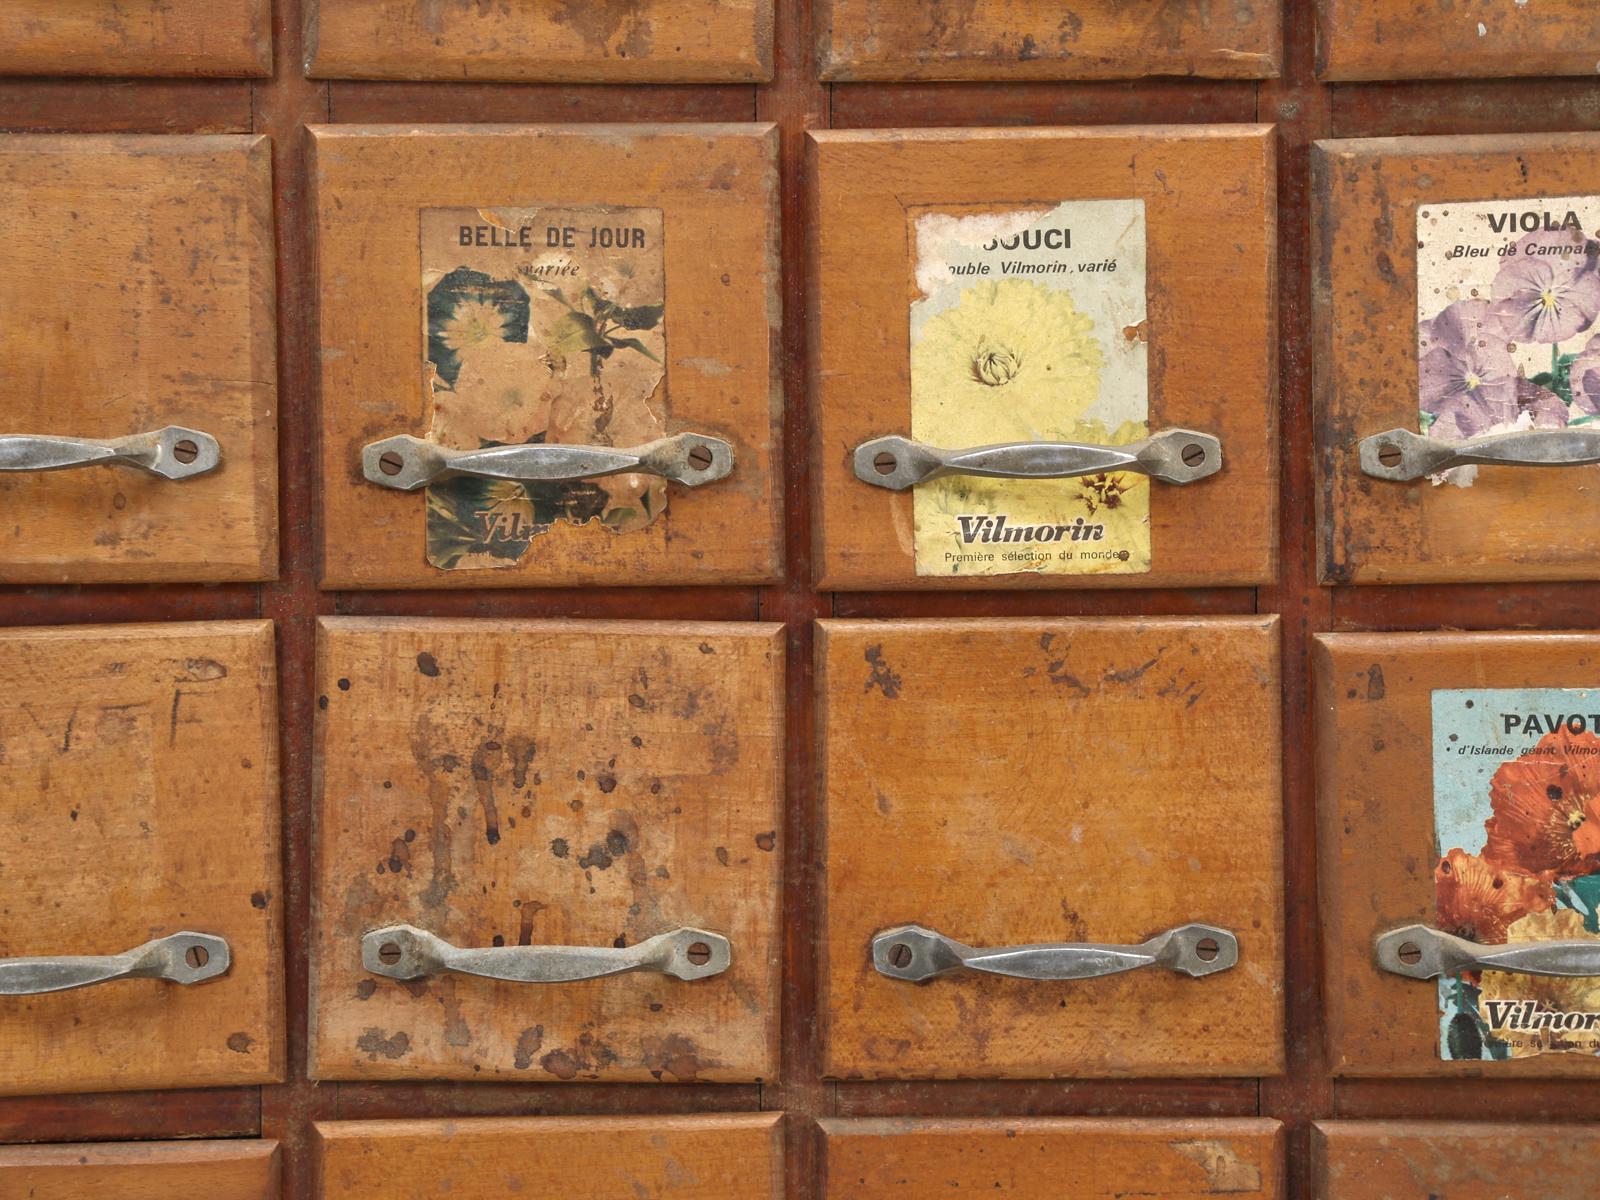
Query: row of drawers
pixel 740 1157
pixel 503 786
pixel 726 41
pixel 629 293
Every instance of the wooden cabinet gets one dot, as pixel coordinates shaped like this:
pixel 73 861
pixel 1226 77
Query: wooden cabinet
pixel 1453 790
pixel 974 287
pixel 601 287
pixel 1010 783
pixel 219 1170
pixel 1043 1158
pixel 732 1157
pixel 139 800
pixel 136 37
pixel 1435 259
pixel 1443 1160
pixel 1440 39
pixel 136 275
pixel 526 784
pixel 647 41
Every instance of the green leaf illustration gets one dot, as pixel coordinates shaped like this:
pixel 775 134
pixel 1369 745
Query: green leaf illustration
pixel 574 332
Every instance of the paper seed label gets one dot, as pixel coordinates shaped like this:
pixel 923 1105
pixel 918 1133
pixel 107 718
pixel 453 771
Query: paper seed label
pixel 1028 324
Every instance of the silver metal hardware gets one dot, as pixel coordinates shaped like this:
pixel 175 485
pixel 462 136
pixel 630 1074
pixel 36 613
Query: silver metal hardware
pixel 1419 952
pixel 180 958
pixel 406 952
pixel 1400 455
pixel 1172 456
pixel 913 953
pixel 407 463
pixel 171 453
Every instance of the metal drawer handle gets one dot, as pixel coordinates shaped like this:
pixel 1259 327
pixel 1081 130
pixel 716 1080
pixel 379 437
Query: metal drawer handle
pixel 1419 952
pixel 171 453
pixel 916 954
pixel 1172 456
pixel 407 463
pixel 1400 455
pixel 181 958
pixel 406 952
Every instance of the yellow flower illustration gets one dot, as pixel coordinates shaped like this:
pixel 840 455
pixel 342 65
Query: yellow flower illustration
pixel 1548 992
pixel 473 323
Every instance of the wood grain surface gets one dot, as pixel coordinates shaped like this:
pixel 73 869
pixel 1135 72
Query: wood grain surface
pixel 716 186
pixel 1043 1159
pixel 136 275
pixel 732 1157
pixel 136 37
pixel 1439 1160
pixel 1450 39
pixel 1212 366
pixel 1376 834
pixel 1513 524
pixel 1009 782
pixel 555 783
pixel 607 41
pixel 139 798
pixel 221 1170
pixel 1045 39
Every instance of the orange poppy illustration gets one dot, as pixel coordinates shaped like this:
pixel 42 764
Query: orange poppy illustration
pixel 1546 804
pixel 1479 901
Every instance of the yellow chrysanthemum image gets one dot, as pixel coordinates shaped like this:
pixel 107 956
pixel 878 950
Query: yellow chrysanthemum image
pixel 1549 992
pixel 473 323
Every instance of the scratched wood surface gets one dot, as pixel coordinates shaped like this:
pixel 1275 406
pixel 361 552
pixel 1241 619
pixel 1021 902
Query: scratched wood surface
pixel 136 37
pixel 716 186
pixel 1440 1160
pixel 734 1157
pixel 1046 39
pixel 1008 782
pixel 1512 524
pixel 1374 754
pixel 607 41
pixel 136 275
pixel 139 798
pixel 1446 39
pixel 1212 366
pixel 529 783
pixel 219 1170
pixel 1043 1159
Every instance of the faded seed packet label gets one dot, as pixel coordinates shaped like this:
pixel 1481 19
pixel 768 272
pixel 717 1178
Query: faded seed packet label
pixel 1508 296
pixel 1028 324
pixel 543 324
pixel 1516 813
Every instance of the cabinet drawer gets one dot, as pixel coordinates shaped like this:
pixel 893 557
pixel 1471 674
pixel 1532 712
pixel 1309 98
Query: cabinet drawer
pixel 1051 1158
pixel 1014 783
pixel 733 1157
pixel 139 801
pixel 221 1170
pixel 1043 39
pixel 137 280
pixel 1434 262
pixel 1457 779
pixel 1446 39
pixel 136 37
pixel 644 41
pixel 1442 1160
pixel 508 786
pixel 538 311
pixel 981 287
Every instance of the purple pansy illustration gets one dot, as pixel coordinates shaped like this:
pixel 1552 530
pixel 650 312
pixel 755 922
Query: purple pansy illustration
pixel 1585 378
pixel 1469 379
pixel 1549 290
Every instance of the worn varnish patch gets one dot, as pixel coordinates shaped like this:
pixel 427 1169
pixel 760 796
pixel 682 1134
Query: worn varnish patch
pixel 137 282
pixel 597 41
pixel 1045 39
pixel 139 798
pixel 1051 1159
pixel 1445 1160
pixel 732 1157
pixel 1051 781
pixel 219 1170
pixel 566 783
pixel 136 37
pixel 1450 39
